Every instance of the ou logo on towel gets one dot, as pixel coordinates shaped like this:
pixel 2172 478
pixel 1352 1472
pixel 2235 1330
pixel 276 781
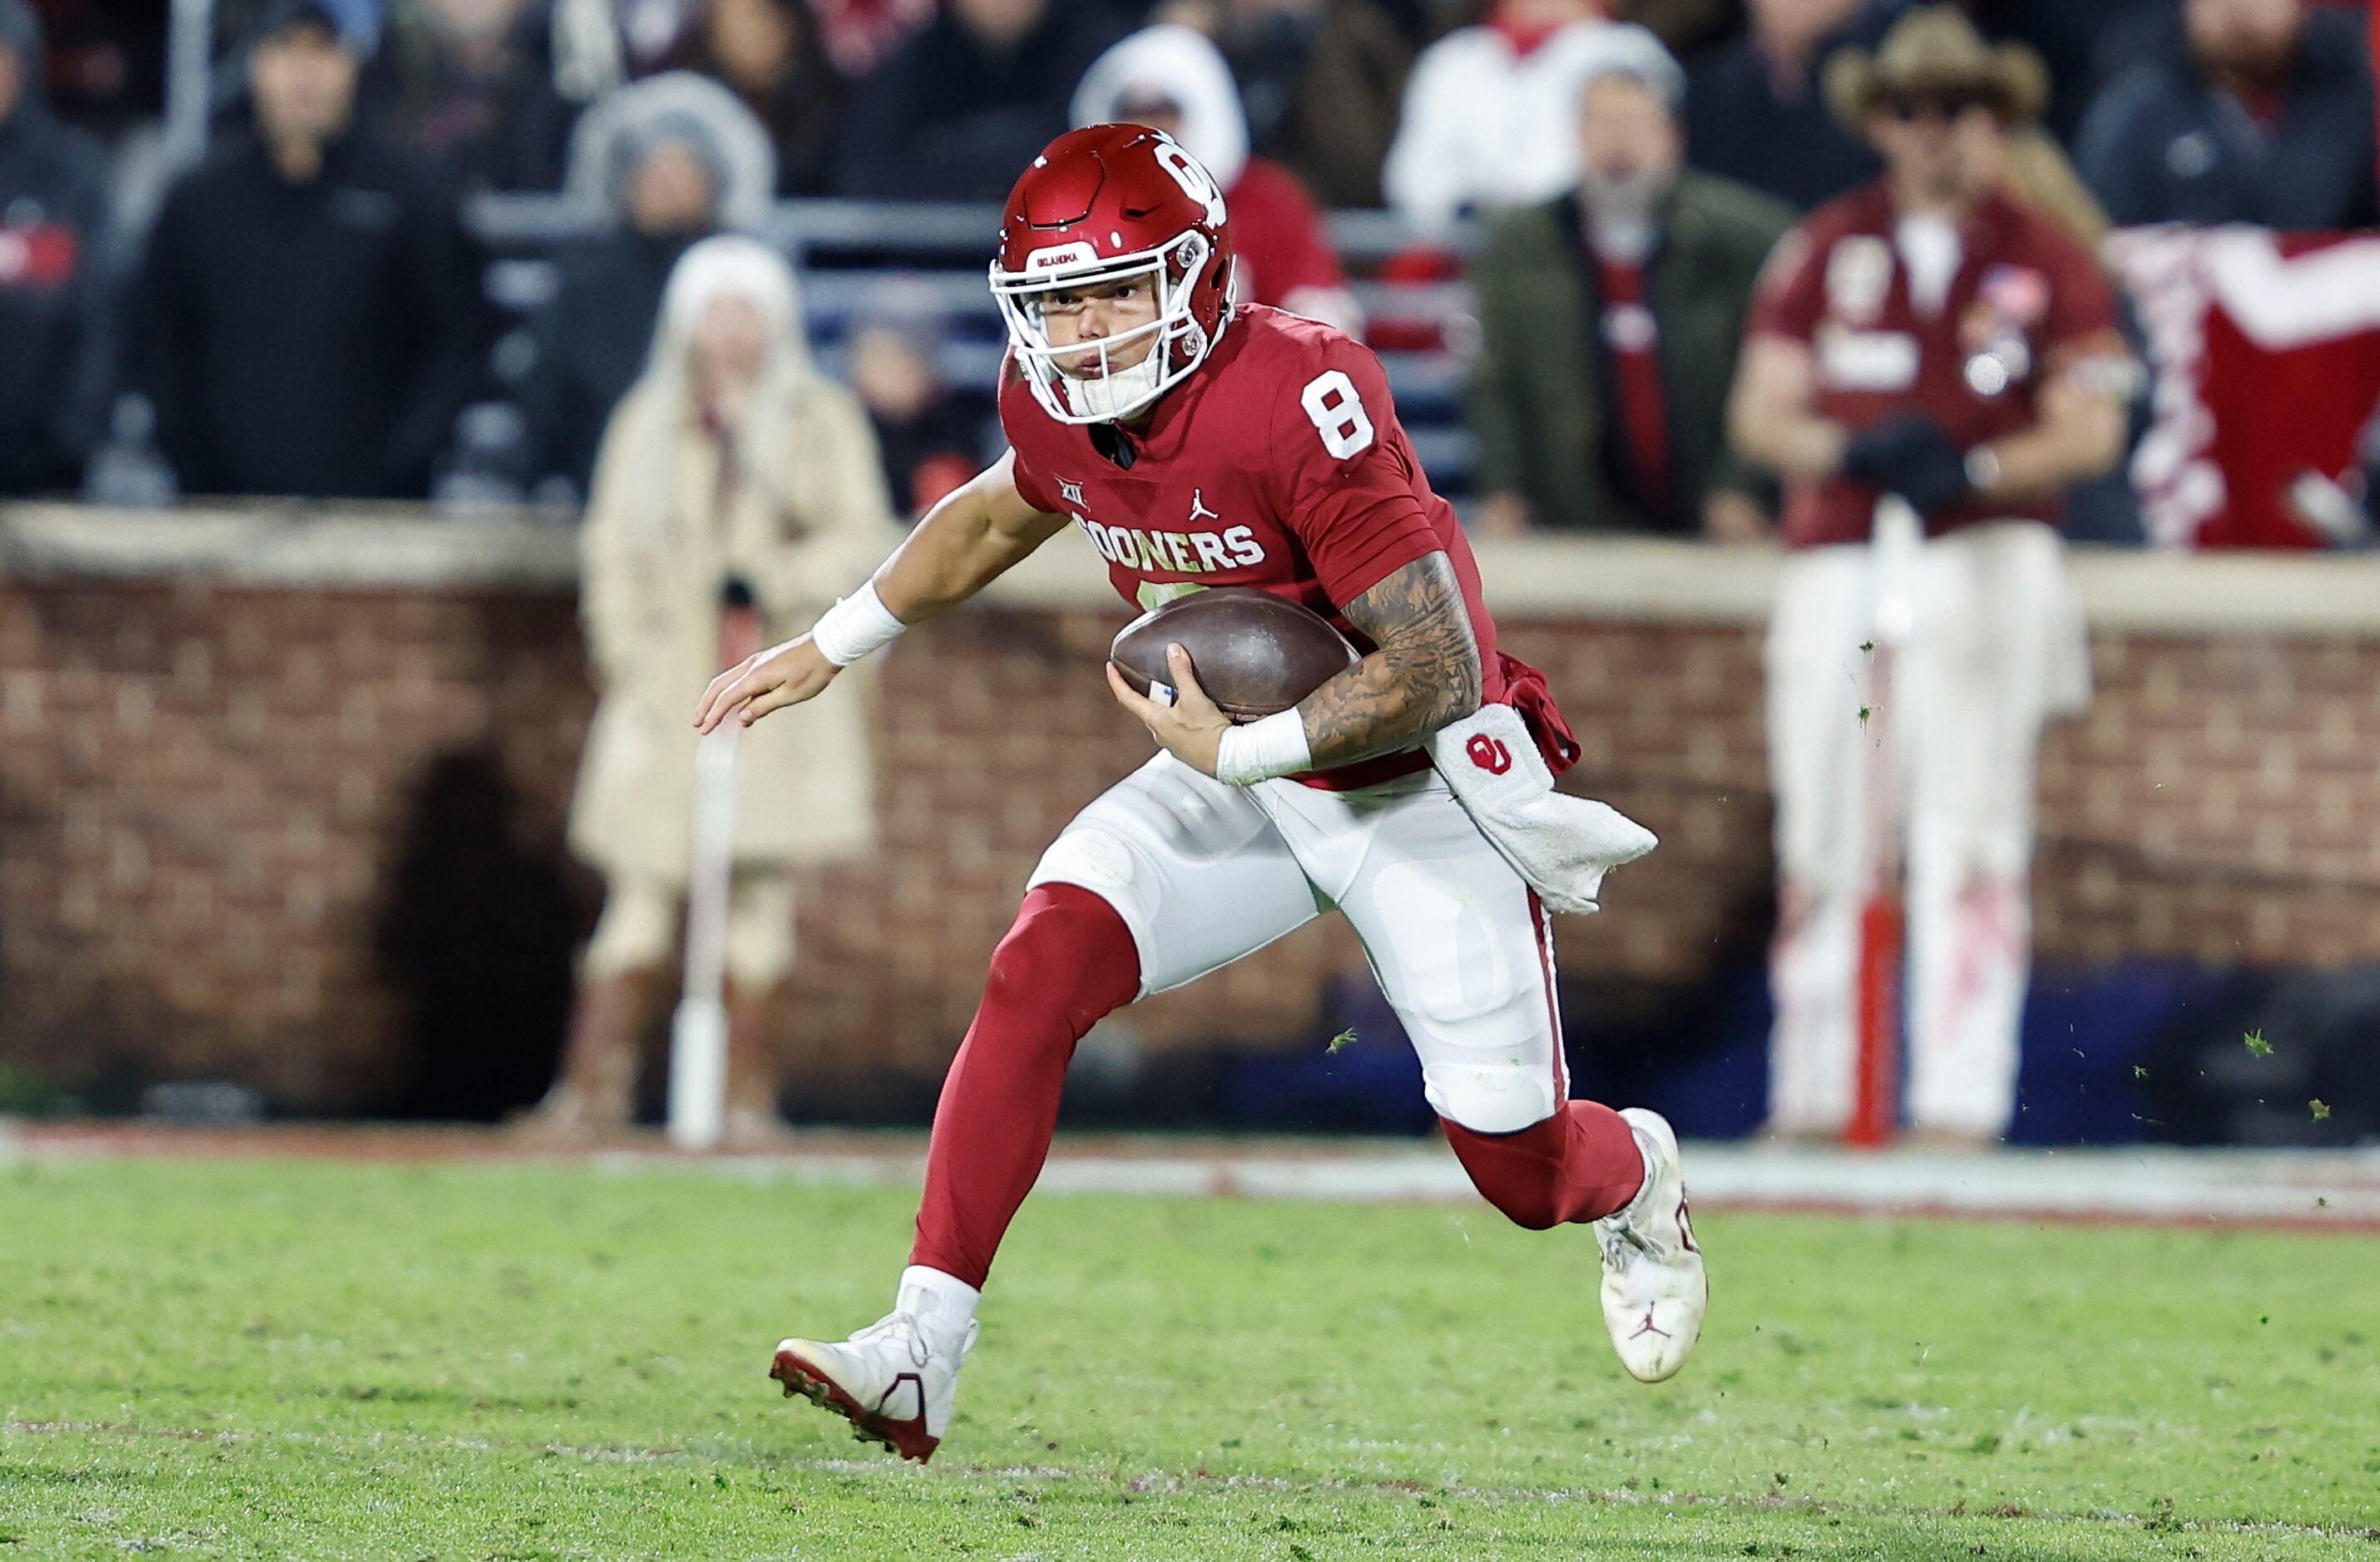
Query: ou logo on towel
pixel 1489 754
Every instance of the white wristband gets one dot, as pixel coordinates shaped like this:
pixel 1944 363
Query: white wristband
pixel 1264 749
pixel 855 625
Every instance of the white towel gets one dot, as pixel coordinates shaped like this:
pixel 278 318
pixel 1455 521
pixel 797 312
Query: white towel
pixel 1563 846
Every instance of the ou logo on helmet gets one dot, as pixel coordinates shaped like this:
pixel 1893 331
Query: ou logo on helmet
pixel 1196 182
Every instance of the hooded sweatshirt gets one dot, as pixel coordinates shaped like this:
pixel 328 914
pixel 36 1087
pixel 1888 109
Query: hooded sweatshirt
pixel 593 335
pixel 53 290
pixel 313 338
pixel 1284 251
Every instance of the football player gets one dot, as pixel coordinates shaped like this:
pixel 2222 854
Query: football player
pixel 1198 443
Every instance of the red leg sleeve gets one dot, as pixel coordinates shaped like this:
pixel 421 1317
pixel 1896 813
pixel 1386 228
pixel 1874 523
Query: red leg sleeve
pixel 1580 1164
pixel 1067 961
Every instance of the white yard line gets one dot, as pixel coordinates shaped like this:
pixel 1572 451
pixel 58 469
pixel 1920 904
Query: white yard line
pixel 2319 1188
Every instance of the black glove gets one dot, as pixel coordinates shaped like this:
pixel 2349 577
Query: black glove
pixel 1912 456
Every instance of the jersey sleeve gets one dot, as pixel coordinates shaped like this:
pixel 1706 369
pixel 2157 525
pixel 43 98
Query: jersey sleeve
pixel 1789 296
pixel 1353 497
pixel 1016 405
pixel 2081 320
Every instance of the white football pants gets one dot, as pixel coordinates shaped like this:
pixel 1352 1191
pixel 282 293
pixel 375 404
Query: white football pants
pixel 1996 648
pixel 1204 873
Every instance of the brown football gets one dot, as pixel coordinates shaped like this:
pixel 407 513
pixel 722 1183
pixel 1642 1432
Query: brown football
pixel 1254 653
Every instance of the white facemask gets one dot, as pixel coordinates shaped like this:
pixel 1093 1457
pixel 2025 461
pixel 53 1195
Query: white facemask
pixel 1177 343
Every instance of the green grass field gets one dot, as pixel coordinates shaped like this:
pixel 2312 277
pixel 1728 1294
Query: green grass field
pixel 325 1360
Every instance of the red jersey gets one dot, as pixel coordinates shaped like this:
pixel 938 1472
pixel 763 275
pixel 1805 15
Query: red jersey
pixel 2023 301
pixel 1279 464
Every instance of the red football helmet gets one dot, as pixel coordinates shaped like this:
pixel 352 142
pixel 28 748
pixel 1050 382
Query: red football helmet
pixel 1113 202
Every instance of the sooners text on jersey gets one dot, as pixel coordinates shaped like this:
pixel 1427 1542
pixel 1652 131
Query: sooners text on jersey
pixel 1279 465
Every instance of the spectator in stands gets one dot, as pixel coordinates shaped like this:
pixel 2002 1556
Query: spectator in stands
pixel 2083 46
pixel 2037 170
pixel 958 109
pixel 1175 80
pixel 1685 27
pixel 600 46
pixel 1610 317
pixel 309 318
pixel 1925 340
pixel 53 212
pixel 733 471
pixel 464 85
pixel 1754 112
pixel 772 55
pixel 2266 117
pixel 859 33
pixel 1320 81
pixel 238 23
pixel 107 60
pixel 932 433
pixel 674 159
pixel 1490 115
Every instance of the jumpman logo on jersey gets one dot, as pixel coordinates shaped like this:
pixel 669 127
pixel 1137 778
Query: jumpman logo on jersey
pixel 1198 511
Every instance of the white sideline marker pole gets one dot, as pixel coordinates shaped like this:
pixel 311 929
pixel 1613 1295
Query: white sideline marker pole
pixel 697 1073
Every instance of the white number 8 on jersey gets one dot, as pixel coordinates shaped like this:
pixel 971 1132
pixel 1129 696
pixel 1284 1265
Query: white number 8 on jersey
pixel 1338 413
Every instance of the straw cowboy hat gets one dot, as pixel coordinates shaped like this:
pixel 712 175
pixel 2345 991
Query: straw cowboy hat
pixel 1933 51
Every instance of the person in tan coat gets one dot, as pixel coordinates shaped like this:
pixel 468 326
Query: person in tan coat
pixel 732 467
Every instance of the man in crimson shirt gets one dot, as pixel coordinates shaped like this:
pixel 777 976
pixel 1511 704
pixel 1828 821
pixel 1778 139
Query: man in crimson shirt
pixel 1931 365
pixel 1197 442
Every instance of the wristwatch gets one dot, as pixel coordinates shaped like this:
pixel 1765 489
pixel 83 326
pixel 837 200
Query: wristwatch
pixel 1982 464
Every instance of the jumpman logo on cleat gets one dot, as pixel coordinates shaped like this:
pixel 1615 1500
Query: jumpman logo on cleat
pixel 1647 1328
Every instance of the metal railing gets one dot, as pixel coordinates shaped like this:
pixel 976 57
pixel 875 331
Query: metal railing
pixel 955 230
pixel 860 260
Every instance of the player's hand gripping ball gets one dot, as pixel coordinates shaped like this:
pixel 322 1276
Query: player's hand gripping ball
pixel 1253 652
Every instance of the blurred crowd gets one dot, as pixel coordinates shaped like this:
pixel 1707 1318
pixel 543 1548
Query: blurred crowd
pixel 306 311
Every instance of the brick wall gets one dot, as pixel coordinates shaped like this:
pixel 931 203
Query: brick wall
pixel 240 819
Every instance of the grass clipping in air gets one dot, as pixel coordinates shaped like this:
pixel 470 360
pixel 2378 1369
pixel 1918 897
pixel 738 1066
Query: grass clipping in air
pixel 319 1360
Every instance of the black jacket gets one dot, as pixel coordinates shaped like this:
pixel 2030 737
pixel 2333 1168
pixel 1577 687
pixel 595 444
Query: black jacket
pixel 945 118
pixel 1790 146
pixel 2164 145
pixel 314 339
pixel 592 338
pixel 54 210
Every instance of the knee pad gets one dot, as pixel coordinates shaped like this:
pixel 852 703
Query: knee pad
pixel 1068 950
pixel 1497 1098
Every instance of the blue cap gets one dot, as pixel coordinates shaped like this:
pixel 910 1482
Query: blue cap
pixel 355 24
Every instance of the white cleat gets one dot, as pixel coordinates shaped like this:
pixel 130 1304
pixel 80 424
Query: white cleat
pixel 1654 1287
pixel 894 1380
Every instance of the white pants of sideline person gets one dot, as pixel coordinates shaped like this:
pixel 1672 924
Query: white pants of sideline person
pixel 1996 646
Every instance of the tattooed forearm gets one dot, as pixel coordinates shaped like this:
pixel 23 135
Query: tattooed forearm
pixel 1425 674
